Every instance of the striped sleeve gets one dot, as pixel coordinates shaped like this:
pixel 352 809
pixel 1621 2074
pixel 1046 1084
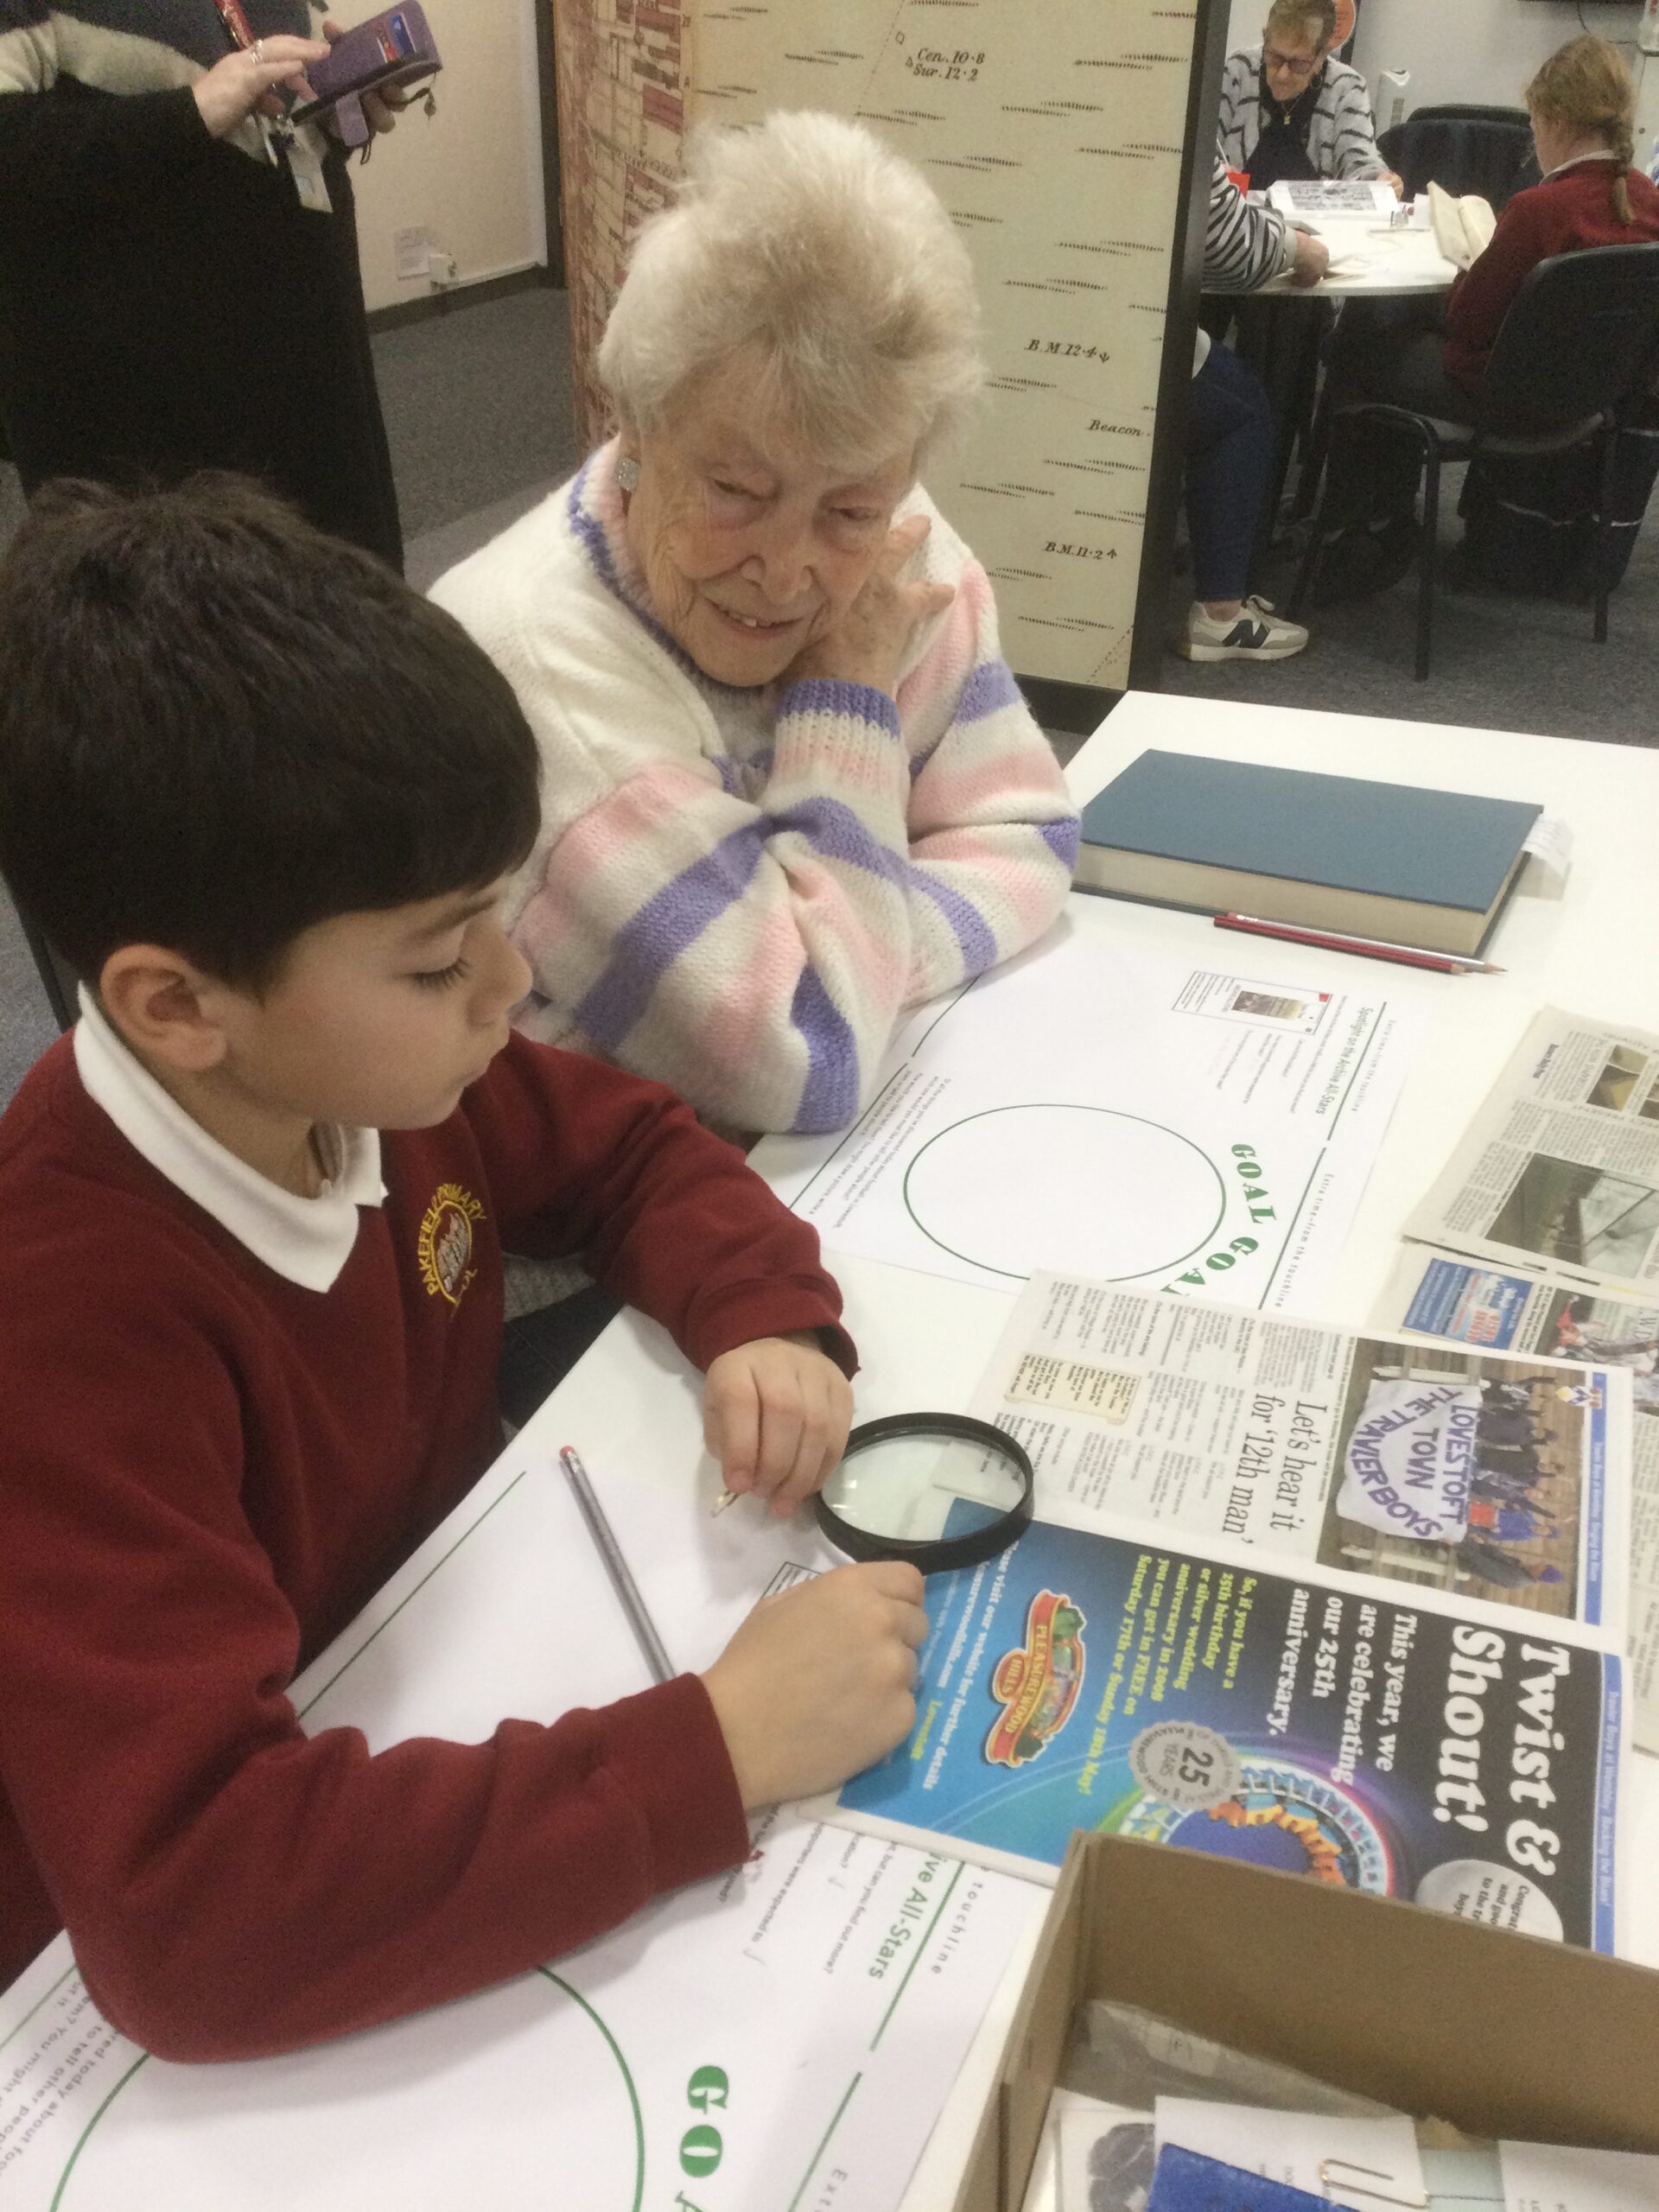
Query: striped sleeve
pixel 1346 131
pixel 69 155
pixel 1244 247
pixel 1240 111
pixel 755 951
pixel 993 833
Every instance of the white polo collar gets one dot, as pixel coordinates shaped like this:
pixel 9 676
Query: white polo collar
pixel 1604 154
pixel 308 1241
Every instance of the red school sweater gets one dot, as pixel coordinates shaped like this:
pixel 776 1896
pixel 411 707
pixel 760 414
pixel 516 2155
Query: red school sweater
pixel 1568 211
pixel 207 1469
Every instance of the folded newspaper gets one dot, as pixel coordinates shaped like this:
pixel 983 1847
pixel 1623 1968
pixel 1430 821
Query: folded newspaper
pixel 1347 1604
pixel 1541 1235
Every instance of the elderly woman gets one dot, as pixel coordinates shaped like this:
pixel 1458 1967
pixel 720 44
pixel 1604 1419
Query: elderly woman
pixel 790 787
pixel 1290 110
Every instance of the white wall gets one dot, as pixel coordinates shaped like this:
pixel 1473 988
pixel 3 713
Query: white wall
pixel 472 175
pixel 1245 26
pixel 1481 50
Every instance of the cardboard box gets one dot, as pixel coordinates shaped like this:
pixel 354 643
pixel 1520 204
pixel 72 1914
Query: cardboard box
pixel 1504 2035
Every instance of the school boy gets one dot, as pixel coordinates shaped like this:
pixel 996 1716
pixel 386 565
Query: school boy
pixel 251 1217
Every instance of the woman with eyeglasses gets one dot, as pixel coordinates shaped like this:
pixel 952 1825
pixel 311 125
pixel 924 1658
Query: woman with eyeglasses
pixel 1291 111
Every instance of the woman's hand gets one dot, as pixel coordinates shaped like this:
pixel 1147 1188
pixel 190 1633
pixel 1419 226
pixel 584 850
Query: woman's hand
pixel 1395 183
pixel 775 1414
pixel 1313 259
pixel 233 88
pixel 381 109
pixel 868 643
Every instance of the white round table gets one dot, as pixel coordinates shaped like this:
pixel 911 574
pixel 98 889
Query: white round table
pixel 1387 262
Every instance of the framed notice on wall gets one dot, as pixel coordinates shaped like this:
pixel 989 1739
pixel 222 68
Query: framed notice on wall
pixel 1053 132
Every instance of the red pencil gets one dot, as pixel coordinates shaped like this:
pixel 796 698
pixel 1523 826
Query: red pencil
pixel 1368 948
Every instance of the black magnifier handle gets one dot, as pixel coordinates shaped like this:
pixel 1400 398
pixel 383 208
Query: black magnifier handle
pixel 936 1554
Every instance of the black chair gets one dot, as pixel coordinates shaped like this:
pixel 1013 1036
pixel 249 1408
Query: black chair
pixel 1465 111
pixel 1469 149
pixel 1579 342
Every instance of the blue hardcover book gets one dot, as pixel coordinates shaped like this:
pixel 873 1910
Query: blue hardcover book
pixel 1183 2181
pixel 1390 861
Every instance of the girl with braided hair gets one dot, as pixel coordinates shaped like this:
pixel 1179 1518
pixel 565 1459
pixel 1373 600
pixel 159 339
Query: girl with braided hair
pixel 1583 107
pixel 1530 525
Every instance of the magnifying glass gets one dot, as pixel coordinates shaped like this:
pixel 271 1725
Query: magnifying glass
pixel 938 1490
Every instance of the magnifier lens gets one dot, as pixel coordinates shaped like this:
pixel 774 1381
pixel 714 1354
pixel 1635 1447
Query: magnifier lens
pixel 924 1487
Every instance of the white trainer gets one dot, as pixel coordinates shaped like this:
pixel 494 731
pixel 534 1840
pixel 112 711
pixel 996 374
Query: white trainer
pixel 1256 633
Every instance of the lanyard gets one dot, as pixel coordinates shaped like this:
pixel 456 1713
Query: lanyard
pixel 278 131
pixel 237 27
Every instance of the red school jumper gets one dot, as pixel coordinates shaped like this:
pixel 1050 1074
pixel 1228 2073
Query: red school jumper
pixel 1570 210
pixel 207 1468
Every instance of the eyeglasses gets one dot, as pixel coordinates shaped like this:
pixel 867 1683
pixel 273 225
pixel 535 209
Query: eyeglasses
pixel 1293 65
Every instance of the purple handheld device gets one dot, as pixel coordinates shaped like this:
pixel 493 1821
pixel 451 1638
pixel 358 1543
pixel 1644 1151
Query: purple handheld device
pixel 393 49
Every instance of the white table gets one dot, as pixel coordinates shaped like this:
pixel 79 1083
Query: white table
pixel 924 1341
pixel 632 1403
pixel 1586 951
pixel 1397 261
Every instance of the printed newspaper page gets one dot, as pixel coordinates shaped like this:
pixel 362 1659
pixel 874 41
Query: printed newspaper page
pixel 1349 1606
pixel 1375 1737
pixel 1560 1168
pixel 1441 1294
pixel 1478 1473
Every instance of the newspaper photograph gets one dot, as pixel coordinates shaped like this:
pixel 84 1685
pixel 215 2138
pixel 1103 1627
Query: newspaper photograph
pixel 1560 1169
pixel 1443 1295
pixel 1483 1474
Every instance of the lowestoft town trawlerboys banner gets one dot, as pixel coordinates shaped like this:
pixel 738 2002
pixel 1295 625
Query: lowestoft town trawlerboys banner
pixel 1083 1680
pixel 1411 1458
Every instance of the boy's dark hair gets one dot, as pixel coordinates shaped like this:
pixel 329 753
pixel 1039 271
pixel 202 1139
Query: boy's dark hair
pixel 218 726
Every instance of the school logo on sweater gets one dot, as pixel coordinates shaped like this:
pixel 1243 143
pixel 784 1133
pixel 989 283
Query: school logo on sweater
pixel 445 1247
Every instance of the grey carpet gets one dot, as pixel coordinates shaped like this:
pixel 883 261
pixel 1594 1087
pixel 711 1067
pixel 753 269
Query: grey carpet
pixel 1498 662
pixel 477 406
pixel 26 1024
pixel 426 557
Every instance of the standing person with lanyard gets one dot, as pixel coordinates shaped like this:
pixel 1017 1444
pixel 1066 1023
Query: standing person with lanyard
pixel 179 283
pixel 1290 110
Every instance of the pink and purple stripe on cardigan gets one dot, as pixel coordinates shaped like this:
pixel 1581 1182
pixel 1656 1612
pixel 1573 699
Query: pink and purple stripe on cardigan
pixel 798 891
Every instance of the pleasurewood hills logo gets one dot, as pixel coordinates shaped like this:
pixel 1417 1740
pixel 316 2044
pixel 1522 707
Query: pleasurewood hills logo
pixel 1039 1683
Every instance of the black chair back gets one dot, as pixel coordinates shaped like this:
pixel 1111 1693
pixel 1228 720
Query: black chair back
pixel 1464 112
pixel 1461 153
pixel 1580 335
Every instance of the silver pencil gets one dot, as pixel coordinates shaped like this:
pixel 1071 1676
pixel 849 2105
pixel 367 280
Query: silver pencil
pixel 616 1566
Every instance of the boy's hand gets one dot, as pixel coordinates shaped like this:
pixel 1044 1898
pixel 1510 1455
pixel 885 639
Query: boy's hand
pixel 775 1414
pixel 818 1682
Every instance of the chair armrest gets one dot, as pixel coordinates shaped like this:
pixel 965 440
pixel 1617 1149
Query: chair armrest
pixel 1434 435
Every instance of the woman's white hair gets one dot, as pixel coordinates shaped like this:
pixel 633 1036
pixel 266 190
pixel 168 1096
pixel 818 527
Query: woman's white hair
pixel 801 244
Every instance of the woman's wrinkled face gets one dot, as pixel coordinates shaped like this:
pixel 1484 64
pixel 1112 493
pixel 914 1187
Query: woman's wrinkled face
pixel 748 552
pixel 1289 63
